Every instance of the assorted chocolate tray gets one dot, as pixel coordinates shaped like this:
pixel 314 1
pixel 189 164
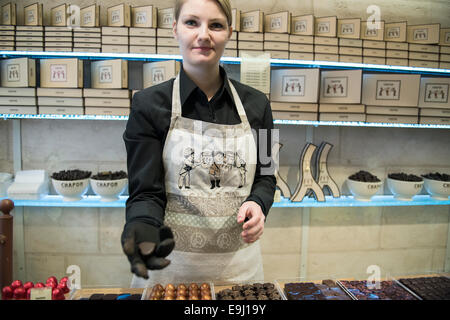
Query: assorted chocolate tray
pixel 249 290
pixel 389 289
pixel 429 287
pixel 302 289
pixel 107 294
pixel 188 290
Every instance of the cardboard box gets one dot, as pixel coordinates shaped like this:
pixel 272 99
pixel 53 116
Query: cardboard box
pixel 301 39
pixel 374 60
pixel 342 108
pixel 59 49
pixel 166 17
pixel 424 34
pixel 398 54
pixel 36 49
pixel 61 110
pixel 58 15
pixel 325 26
pixel 30 43
pixel 278 54
pixel 392 119
pixel 58 39
pixel 350 43
pixel 400 111
pixel 423 64
pixel 434 120
pixel 8 13
pixel 295 47
pixel 18 72
pixel 280 37
pixel 399 90
pixel 371 44
pixel 115 31
pixel 17 92
pixel 380 53
pixel 107 111
pixel 301 56
pixel 303 25
pixel 115 40
pixel 164 33
pixel 340 86
pixel 251 36
pixel 294 107
pixel 87 45
pixel 33 14
pixel 278 22
pixel 273 45
pixel 294 85
pixel 60 101
pixel 327 41
pixel 285 115
pixel 423 48
pixel 144 17
pixel 326 49
pixel 119 16
pixel 444 57
pixel 142 32
pixel 236 19
pixel 444 38
pixel 326 57
pixel 90 16
pixel 167 42
pixel 34 34
pixel 109 74
pixel 250 45
pixel 397 62
pixel 160 71
pixel 231 44
pixel 142 41
pixel 7 28
pixel 252 21
pixel 58 44
pixel 445 50
pixel 352 117
pixel 90 50
pixel 434 93
pixel 395 31
pixel 77 40
pixel 65 93
pixel 352 51
pixel 106 93
pixel 107 102
pixel 18 110
pixel 167 50
pixel 17 101
pixel 61 73
pixel 349 28
pixel 111 48
pixel 424 56
pixel 372 31
pixel 350 59
pixel 404 46
pixel 431 112
pixel 230 53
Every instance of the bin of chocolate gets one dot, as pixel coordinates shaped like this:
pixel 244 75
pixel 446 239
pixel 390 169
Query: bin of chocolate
pixel 183 290
pixel 305 289
pixel 248 290
pixel 428 285
pixel 107 293
pixel 386 289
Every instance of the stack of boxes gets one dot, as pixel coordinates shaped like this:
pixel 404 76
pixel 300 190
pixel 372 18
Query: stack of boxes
pixel 165 42
pixel 231 50
pixel 88 37
pixel 391 98
pixel 115 35
pixel 30 38
pixel 325 41
pixel 7 27
pixel 423 48
pixel 301 39
pixel 251 36
pixel 17 92
pixel 396 45
pixel 143 30
pixel 59 91
pixel 58 37
pixel 444 44
pixel 109 94
pixel 277 27
pixel 350 44
pixel 340 96
pixel 374 46
pixel 434 104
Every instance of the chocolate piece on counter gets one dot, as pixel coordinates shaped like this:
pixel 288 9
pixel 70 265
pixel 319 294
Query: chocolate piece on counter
pixel 268 285
pixel 250 297
pixel 96 296
pixel 248 292
pixel 110 296
pixel 235 288
pixel 258 286
pixel 329 283
pixel 262 297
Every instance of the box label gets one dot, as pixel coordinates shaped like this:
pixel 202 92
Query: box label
pixel 141 17
pixel 323 27
pixel 158 75
pixel 105 74
pixel 58 73
pixel 115 16
pixel 6 15
pixel 447 37
pixel 30 17
pixel 41 294
pixel 436 92
pixel 301 26
pixel 167 18
pixel 58 17
pixel 371 32
pixel 275 23
pixel 293 86
pixel 420 34
pixel 393 32
pixel 87 18
pixel 335 87
pixel 388 90
pixel 247 22
pixel 13 71
pixel 347 28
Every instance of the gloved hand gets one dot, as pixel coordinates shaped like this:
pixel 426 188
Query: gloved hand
pixel 146 246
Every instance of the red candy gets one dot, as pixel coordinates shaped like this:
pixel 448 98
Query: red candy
pixel 7 293
pixel 57 294
pixel 16 284
pixel 28 285
pixel 39 285
pixel 52 278
pixel 20 293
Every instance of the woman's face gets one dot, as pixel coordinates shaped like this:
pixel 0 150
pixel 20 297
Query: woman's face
pixel 202 32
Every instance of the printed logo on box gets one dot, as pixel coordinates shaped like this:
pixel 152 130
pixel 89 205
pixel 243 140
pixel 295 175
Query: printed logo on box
pixel 347 28
pixel 5 16
pixel 158 75
pixel 167 18
pixel 293 86
pixel 58 72
pixel 141 17
pixel 115 16
pixel 393 32
pixel 247 22
pixel 301 26
pixel 275 23
pixel 323 27
pixel 436 92
pixel 58 17
pixel 371 32
pixel 447 37
pixel 30 16
pixel 388 90
pixel 335 87
pixel 105 74
pixel 87 18
pixel 13 71
pixel 420 34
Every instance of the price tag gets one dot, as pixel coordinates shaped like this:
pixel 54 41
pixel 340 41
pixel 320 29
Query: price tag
pixel 41 294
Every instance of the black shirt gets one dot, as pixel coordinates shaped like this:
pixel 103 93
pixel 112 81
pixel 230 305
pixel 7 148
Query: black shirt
pixel 147 129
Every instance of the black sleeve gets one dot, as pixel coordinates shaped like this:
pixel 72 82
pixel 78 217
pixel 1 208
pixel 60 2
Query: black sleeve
pixel 147 200
pixel 264 184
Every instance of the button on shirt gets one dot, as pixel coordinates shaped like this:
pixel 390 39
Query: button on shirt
pixel 147 128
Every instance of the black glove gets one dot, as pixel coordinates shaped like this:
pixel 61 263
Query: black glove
pixel 146 246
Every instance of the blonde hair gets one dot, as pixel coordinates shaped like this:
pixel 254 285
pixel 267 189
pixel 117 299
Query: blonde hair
pixel 225 5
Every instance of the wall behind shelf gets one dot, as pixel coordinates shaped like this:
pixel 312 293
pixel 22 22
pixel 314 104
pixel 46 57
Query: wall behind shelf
pixel 342 241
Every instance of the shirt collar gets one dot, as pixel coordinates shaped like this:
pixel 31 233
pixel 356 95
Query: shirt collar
pixel 188 86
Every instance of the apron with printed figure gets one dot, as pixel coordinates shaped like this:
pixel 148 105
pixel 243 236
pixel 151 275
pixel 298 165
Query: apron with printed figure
pixel 209 172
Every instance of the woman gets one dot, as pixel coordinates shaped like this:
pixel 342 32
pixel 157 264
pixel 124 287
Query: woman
pixel 214 227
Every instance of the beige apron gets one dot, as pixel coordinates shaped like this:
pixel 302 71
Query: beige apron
pixel 209 172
